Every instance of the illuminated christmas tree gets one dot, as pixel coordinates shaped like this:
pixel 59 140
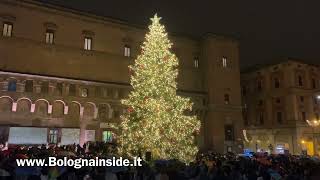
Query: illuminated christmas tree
pixel 156 119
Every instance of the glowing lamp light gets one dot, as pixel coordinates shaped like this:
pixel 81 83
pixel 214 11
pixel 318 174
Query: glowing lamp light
pixel 302 141
pixel 245 135
pixel 318 96
pixel 314 123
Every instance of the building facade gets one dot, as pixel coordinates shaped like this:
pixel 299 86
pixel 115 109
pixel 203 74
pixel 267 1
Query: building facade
pixel 63 73
pixel 279 103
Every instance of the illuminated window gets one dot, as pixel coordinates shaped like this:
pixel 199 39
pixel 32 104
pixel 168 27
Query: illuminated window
pixel 84 92
pixel 49 36
pixel 196 62
pixel 53 136
pixel 87 43
pixel 12 85
pixel 7 29
pixel 107 136
pixel 127 51
pixel 224 62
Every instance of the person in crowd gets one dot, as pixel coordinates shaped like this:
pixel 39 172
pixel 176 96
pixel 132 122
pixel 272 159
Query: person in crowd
pixel 207 166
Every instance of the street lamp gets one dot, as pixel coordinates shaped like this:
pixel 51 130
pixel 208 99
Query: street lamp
pixel 314 123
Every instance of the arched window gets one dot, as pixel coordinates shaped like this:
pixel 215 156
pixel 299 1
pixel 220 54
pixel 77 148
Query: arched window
pixel 12 85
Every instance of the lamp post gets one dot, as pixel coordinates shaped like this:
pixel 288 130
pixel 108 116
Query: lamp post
pixel 314 124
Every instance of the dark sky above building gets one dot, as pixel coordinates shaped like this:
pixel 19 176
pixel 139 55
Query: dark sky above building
pixel 268 30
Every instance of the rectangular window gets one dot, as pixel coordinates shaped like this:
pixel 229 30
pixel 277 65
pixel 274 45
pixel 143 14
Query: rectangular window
pixel 314 85
pixel 196 62
pixel 228 132
pixel 87 43
pixel 59 89
pixel 279 117
pixel 72 90
pixel 259 85
pixel 7 29
pixel 107 136
pixel 84 92
pixel 303 116
pixel 224 62
pixel 226 99
pixel 276 83
pixel 244 90
pixel 49 36
pixel 45 87
pixel 127 51
pixel 12 85
pixel 98 92
pixel 260 118
pixel 300 81
pixel 53 136
pixel 29 86
pixel 245 117
pixel 301 99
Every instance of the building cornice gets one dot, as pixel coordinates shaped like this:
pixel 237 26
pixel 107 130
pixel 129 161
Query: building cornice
pixel 88 82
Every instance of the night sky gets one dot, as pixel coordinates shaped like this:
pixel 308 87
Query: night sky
pixel 268 30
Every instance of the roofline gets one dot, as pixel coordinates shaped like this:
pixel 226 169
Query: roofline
pixel 116 21
pixel 258 67
pixel 220 37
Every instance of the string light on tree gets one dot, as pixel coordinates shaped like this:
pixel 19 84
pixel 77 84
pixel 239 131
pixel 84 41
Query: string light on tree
pixel 155 120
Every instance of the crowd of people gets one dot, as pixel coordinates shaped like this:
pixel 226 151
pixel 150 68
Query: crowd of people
pixel 207 166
